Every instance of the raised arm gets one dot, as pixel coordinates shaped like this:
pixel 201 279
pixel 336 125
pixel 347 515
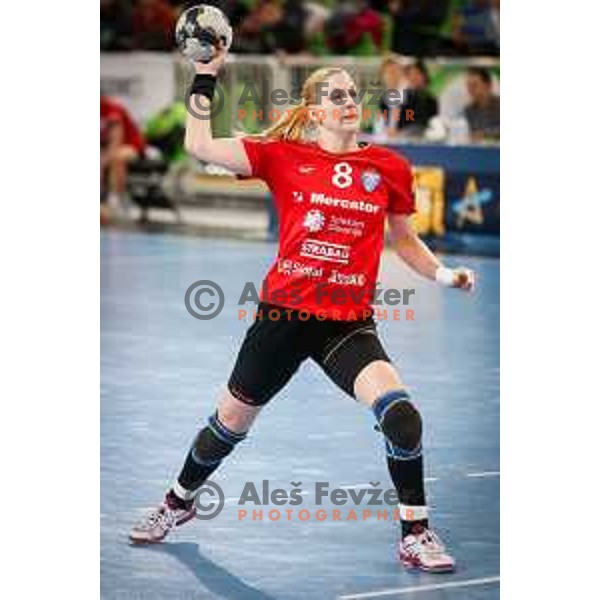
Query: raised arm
pixel 199 141
pixel 413 251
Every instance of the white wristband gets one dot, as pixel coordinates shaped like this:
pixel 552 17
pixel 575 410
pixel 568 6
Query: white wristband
pixel 445 276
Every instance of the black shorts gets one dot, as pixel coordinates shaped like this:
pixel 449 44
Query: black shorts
pixel 273 350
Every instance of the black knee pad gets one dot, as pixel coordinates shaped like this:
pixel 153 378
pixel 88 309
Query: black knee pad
pixel 402 425
pixel 215 442
pixel 399 420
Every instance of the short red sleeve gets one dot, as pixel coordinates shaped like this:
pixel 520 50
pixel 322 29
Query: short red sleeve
pixel 261 155
pixel 399 180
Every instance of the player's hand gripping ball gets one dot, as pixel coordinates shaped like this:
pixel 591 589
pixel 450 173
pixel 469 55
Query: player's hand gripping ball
pixel 201 31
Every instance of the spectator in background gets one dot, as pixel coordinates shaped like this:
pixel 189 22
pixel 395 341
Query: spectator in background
pixel 476 28
pixel 495 23
pixel 416 26
pixel 418 106
pixel 121 143
pixel 153 23
pixel 483 113
pixel 115 25
pixel 367 21
pixel 337 26
pixel 236 11
pixel 419 99
pixel 252 35
pixel 288 32
pixel 392 76
pixel 316 17
pixel 349 22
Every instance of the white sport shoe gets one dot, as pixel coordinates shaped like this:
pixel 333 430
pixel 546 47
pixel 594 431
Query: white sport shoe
pixel 156 525
pixel 424 550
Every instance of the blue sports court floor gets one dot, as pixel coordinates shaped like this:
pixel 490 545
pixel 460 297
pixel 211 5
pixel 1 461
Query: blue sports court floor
pixel 161 372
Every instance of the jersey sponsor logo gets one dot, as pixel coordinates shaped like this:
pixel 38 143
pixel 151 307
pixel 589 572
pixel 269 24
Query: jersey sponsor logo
pixel 358 279
pixel 370 180
pixel 314 220
pixel 294 267
pixel 298 197
pixel 358 205
pixel 346 226
pixel 325 251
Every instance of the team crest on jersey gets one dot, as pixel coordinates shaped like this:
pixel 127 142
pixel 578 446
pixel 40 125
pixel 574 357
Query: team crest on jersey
pixel 370 180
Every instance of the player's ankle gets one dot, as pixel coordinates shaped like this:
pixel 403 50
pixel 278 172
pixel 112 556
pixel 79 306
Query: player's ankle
pixel 413 527
pixel 174 502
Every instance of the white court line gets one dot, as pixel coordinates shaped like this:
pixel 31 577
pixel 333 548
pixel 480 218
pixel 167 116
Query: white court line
pixel 423 588
pixel 484 474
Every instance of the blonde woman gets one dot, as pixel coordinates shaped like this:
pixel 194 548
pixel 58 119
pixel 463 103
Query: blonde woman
pixel 333 196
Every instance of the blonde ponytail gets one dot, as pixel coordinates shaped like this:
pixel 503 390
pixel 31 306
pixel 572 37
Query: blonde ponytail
pixel 291 126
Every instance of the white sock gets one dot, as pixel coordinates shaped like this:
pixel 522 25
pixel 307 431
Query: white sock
pixel 182 493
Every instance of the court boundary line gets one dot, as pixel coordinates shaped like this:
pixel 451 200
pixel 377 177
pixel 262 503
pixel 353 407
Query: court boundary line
pixel 422 588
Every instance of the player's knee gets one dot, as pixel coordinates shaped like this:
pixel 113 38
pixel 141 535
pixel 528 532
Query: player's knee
pixel 235 414
pixel 215 442
pixel 400 422
pixel 402 425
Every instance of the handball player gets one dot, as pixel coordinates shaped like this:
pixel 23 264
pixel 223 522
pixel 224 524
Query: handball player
pixel 319 175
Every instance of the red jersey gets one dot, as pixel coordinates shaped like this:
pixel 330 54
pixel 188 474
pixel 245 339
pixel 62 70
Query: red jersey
pixel 332 210
pixel 112 112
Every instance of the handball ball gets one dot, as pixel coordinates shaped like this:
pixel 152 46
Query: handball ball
pixel 200 30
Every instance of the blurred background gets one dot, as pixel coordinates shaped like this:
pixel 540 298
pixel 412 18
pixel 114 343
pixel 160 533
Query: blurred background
pixel 442 54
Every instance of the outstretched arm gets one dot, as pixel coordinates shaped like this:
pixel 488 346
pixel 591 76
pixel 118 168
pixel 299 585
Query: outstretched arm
pixel 226 152
pixel 411 249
